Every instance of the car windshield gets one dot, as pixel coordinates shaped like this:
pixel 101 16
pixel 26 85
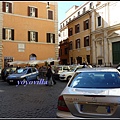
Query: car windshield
pixel 95 80
pixel 72 68
pixel 20 71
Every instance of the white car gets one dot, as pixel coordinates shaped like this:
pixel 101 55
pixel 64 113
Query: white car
pixel 68 74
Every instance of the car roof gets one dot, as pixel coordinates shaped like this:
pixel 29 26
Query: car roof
pixel 98 69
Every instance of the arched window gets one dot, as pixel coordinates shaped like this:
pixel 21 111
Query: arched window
pixel 32 57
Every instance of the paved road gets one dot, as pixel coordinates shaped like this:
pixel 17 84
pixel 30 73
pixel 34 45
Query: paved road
pixel 30 101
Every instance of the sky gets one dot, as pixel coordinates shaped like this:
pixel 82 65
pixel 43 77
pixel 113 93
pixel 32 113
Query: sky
pixel 64 6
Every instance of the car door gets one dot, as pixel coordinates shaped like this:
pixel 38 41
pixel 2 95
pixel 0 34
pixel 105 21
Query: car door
pixel 35 73
pixel 29 74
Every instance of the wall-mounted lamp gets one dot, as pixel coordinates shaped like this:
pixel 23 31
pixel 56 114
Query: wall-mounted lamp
pixel 48 6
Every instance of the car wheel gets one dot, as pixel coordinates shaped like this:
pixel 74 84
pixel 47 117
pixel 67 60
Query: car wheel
pixel 24 80
pixel 68 78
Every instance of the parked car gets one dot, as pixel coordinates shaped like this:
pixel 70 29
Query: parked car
pixel 23 74
pixel 6 71
pixel 91 93
pixel 68 74
pixel 59 69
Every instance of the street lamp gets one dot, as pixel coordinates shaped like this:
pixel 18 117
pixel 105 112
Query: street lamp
pixel 48 6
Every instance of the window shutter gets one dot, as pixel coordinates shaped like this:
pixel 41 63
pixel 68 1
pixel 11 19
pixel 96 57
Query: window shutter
pixel 76 43
pixel 75 28
pixel 84 25
pixel 4 8
pixel 88 23
pixel 10 7
pixel 12 34
pixel 36 34
pixel 53 38
pixel 28 35
pixel 28 11
pixel 84 41
pixel 3 33
pixel 48 37
pixel 36 12
pixel 50 15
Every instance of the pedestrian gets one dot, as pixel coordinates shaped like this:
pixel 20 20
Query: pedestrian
pixel 49 76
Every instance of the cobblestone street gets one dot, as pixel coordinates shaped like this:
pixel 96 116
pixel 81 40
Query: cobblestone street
pixel 30 101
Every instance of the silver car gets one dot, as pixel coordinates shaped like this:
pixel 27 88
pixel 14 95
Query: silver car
pixel 91 93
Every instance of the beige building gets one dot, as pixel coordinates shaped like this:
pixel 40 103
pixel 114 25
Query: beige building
pixel 28 31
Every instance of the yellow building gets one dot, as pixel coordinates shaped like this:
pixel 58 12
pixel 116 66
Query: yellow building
pixel 79 37
pixel 28 31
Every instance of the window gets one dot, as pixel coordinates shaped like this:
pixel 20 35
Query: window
pixel 32 12
pixel 7 7
pixel 70 32
pixel 50 14
pixel 70 45
pixel 33 36
pixel 86 41
pixel 78 13
pixel 77 43
pixel 8 34
pixel 63 24
pixel 69 19
pixel 99 20
pixel 86 24
pixel 91 5
pixel 77 28
pixel 84 9
pixel 66 22
pixel 88 58
pixel 66 51
pixel 50 38
pixel 60 52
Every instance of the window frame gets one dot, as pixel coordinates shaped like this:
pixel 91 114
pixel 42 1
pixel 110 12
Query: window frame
pixel 9 36
pixel 50 15
pixel 77 43
pixel 32 33
pixel 86 41
pixel 50 38
pixel 86 24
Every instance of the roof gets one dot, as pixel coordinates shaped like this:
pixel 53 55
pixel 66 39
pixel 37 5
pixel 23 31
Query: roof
pixel 107 69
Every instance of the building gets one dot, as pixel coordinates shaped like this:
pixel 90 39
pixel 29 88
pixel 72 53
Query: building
pixel 30 33
pixel 105 33
pixel 94 33
pixel 77 28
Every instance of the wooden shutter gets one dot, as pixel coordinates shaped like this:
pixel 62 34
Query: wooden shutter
pixel 28 11
pixel 84 25
pixel 36 12
pixel 12 34
pixel 10 7
pixel 48 37
pixel 53 38
pixel 36 35
pixel 50 15
pixel 3 6
pixel 3 33
pixel 84 41
pixel 28 35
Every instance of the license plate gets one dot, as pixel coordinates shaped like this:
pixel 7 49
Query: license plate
pixel 95 109
pixel 11 80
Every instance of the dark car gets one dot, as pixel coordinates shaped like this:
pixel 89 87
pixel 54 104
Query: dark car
pixel 23 74
pixel 6 71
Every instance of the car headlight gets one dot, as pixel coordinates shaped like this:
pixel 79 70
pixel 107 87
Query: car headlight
pixel 63 75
